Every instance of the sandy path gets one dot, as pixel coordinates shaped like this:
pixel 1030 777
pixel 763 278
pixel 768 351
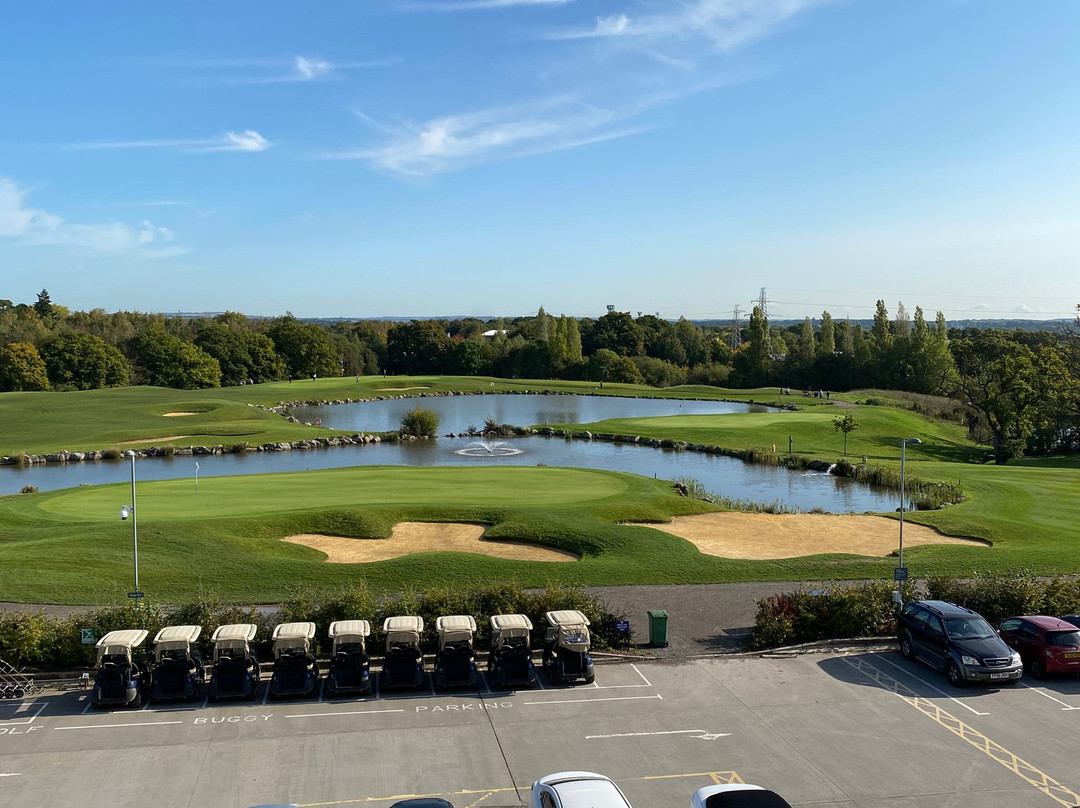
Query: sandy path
pixel 151 440
pixel 409 538
pixel 759 536
pixel 178 414
pixel 419 387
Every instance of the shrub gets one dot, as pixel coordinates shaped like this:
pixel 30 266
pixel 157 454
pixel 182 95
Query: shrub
pixel 420 422
pixel 112 453
pixel 239 448
pixel 28 489
pixel 997 596
pixel 710 373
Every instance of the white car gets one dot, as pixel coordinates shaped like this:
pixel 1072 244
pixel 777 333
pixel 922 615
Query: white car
pixel 576 790
pixel 737 795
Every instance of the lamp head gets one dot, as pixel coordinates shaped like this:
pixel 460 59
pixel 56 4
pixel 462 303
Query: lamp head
pixel 129 453
pixel 913 440
pixel 124 511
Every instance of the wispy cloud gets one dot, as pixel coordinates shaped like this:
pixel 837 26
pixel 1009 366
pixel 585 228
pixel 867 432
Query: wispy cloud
pixel 474 5
pixel 247 141
pixel 454 142
pixel 298 69
pixel 35 226
pixel 724 24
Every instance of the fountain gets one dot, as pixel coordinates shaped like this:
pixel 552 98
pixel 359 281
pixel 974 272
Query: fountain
pixel 486 448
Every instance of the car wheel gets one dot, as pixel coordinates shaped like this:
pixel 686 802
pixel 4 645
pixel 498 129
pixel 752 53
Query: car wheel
pixel 1037 668
pixel 953 674
pixel 905 645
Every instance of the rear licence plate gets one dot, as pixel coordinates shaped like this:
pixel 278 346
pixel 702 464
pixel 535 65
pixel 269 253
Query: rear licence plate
pixel 1000 675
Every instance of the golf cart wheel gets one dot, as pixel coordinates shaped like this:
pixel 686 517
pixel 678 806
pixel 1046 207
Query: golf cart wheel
pixel 18 693
pixel 905 645
pixel 1037 668
pixel 97 705
pixel 590 679
pixel 953 674
pixel 137 702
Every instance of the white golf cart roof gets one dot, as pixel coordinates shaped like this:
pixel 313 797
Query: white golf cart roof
pixel 349 628
pixel 566 617
pixel 403 624
pixel 244 632
pixel 178 634
pixel 124 638
pixel 455 623
pixel 504 622
pixel 293 631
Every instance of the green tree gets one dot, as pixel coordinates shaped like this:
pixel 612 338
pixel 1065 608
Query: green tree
pixel 416 347
pixel 753 365
pixel 827 335
pixel 573 341
pixel 43 306
pixel 470 359
pixel 693 341
pixel 21 368
pixel 165 360
pixel 618 332
pixel 607 366
pixel 305 348
pixel 846 424
pixel 85 362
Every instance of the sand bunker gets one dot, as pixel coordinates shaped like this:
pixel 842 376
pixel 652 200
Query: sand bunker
pixel 409 538
pixel 178 414
pixel 152 440
pixel 418 387
pixel 759 536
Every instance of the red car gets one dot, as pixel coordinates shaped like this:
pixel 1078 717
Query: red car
pixel 1046 644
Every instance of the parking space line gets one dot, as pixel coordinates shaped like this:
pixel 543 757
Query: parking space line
pixel 932 687
pixel 642 675
pixel 607 698
pixel 266 695
pixel 1064 708
pixel 995 751
pixel 699 733
pixel 322 687
pixel 477 802
pixel 113 726
pixel 614 687
pixel 30 720
pixel 343 712
pixel 86 709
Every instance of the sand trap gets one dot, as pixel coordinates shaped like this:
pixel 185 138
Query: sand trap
pixel 178 414
pixel 759 536
pixel 395 389
pixel 409 538
pixel 152 440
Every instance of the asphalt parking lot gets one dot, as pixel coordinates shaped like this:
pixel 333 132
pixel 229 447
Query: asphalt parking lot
pixel 866 729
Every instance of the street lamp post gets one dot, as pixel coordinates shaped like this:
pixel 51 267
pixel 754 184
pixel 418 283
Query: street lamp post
pixel 903 445
pixel 129 510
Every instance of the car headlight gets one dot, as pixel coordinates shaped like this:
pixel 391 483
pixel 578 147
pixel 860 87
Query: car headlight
pixel 1015 658
pixel 969 660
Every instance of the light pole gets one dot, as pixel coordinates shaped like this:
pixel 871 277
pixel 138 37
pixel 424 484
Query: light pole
pixel 125 511
pixel 903 445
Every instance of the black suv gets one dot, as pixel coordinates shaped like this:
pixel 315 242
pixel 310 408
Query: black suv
pixel 958 641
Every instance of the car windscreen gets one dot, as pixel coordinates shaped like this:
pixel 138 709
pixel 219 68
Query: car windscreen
pixel 968 628
pixel 1063 639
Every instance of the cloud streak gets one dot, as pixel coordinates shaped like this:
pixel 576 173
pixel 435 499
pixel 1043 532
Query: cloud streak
pixel 247 141
pixel 34 226
pixel 476 5
pixel 300 69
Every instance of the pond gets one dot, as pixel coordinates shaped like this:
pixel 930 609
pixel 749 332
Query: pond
pixel 721 475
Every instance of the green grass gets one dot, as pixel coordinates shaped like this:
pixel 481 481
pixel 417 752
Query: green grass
pixel 38 423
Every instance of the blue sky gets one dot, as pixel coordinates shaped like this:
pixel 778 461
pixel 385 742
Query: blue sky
pixel 427 157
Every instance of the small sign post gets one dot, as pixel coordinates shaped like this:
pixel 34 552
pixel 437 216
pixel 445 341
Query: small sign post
pixel 89 636
pixel 899 574
pixel 622 626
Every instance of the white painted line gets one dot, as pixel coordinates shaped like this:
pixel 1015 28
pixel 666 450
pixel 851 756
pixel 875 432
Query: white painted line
pixel 1047 695
pixel 89 704
pixel 700 733
pixel 431 684
pixel 642 675
pixel 10 774
pixel 609 698
pixel 30 720
pixel 266 695
pixel 484 680
pixel 109 726
pixel 322 687
pixel 932 687
pixel 614 687
pixel 342 712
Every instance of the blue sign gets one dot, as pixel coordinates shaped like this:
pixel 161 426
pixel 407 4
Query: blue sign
pixel 899 574
pixel 622 625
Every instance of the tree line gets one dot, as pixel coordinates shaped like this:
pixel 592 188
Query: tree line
pixel 1020 388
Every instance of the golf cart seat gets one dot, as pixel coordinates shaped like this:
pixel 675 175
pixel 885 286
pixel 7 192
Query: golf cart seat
pixel 178 667
pixel 350 666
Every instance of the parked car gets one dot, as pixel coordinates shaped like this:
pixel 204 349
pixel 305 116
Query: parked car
pixel 1071 618
pixel 403 664
pixel 737 795
pixel 957 641
pixel 510 661
pixel 566 649
pixel 576 790
pixel 178 667
pixel 296 672
pixel 422 802
pixel 122 680
pixel 236 668
pixel 455 659
pixel 350 670
pixel 1047 645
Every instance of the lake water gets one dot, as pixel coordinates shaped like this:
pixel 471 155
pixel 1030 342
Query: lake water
pixel 722 475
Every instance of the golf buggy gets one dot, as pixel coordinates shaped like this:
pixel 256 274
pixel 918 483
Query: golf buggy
pixel 566 648
pixel 510 661
pixel 403 665
pixel 236 668
pixel 349 671
pixel 121 680
pixel 296 672
pixel 455 661
pixel 178 666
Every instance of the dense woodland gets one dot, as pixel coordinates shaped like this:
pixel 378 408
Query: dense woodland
pixel 1018 390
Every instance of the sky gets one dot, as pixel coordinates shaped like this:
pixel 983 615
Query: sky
pixel 488 157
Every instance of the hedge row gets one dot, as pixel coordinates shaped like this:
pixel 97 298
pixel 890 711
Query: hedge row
pixel 42 641
pixel 867 609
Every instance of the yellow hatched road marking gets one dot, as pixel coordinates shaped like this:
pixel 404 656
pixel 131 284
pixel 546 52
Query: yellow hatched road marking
pixel 720 778
pixel 1017 765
